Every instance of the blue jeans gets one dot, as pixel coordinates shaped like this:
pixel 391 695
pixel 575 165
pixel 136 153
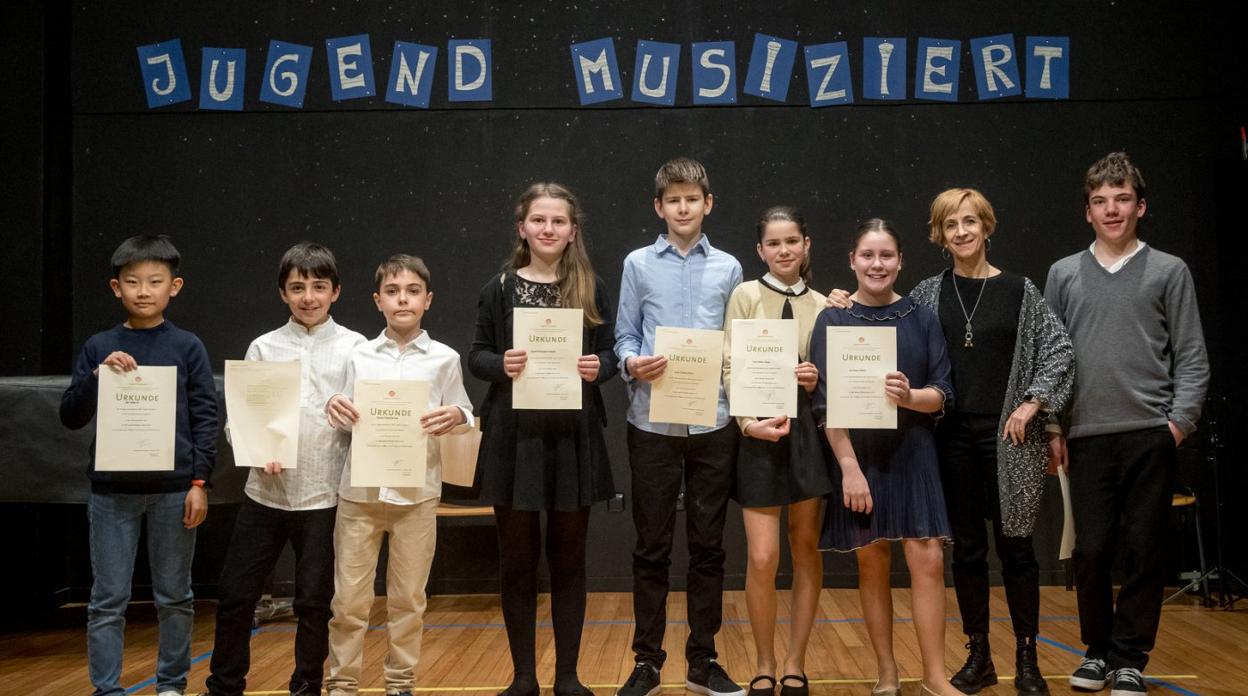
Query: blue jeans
pixel 114 521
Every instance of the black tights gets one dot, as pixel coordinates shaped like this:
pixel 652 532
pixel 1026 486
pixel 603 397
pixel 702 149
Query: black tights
pixel 520 549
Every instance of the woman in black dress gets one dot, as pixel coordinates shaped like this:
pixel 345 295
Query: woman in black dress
pixel 543 460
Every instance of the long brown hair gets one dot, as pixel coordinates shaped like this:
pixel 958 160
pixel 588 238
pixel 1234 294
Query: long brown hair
pixel 575 274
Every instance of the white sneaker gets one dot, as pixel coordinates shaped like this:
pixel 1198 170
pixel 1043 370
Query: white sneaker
pixel 169 692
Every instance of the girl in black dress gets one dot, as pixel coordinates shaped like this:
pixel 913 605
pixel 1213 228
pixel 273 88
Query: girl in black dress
pixel 780 463
pixel 535 460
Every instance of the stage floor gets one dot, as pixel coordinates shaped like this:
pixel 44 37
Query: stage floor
pixel 1199 651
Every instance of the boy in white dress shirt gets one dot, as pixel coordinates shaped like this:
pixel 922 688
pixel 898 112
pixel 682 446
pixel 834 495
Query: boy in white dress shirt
pixel 403 351
pixel 291 501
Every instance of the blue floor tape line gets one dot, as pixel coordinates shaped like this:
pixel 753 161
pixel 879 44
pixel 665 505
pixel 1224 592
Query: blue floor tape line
pixel 194 661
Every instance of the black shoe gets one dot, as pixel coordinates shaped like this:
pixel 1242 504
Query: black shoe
pixel 1090 676
pixel 760 691
pixel 571 686
pixel 522 685
pixel 802 689
pixel 978 672
pixel 1128 681
pixel 644 681
pixel 1027 676
pixel 709 679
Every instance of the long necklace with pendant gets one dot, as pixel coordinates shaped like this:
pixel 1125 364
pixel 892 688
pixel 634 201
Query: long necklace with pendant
pixel 968 339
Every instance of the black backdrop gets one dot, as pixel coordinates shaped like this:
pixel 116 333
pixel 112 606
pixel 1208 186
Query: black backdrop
pixel 90 164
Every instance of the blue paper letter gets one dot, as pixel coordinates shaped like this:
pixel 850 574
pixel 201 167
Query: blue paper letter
pixel 771 67
pixel 286 74
pixel 714 73
pixel 884 68
pixel 827 74
pixel 996 69
pixel 469 70
pixel 350 67
pixel 591 58
pixel 221 79
pixel 411 74
pixel 164 73
pixel 936 69
pixel 1048 67
pixel 654 74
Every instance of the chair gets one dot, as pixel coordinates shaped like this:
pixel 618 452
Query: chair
pixel 1185 502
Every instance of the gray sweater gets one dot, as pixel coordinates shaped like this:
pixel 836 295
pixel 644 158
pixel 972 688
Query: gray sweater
pixel 1138 342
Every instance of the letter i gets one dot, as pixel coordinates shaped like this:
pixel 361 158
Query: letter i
pixel 886 52
pixel 773 50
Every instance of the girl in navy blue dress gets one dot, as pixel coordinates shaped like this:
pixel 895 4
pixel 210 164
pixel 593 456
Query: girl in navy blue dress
pixel 887 482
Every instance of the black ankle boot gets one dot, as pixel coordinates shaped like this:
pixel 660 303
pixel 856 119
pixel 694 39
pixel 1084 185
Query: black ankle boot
pixel 978 672
pixel 522 685
pixel 1027 676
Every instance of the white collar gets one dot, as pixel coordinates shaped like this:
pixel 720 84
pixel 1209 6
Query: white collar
pixel 797 288
pixel 1117 265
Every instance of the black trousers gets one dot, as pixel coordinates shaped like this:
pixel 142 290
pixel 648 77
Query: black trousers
pixel 260 534
pixel 1120 489
pixel 968 473
pixel 705 463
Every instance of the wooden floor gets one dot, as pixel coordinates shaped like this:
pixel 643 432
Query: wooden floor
pixel 1199 651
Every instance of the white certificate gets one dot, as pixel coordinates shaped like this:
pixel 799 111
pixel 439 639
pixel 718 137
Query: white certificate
pixel 688 390
pixel 387 443
pixel 1067 547
pixel 262 400
pixel 136 414
pixel 764 353
pixel 858 359
pixel 552 338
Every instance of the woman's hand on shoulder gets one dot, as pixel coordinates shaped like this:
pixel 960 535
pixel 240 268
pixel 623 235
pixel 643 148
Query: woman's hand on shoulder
pixel 838 299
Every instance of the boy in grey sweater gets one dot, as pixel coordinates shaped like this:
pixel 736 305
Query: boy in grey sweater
pixel 1132 316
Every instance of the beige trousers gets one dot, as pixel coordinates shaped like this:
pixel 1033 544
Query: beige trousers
pixel 357 541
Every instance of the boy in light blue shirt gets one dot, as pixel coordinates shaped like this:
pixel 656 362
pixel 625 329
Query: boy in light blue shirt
pixel 681 281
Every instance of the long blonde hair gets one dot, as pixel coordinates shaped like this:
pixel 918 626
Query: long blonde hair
pixel 575 274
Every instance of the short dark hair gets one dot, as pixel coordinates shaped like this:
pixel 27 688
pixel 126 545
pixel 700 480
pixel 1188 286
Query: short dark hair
pixel 868 226
pixel 681 170
pixel 311 260
pixel 397 264
pixel 787 213
pixel 146 247
pixel 1114 169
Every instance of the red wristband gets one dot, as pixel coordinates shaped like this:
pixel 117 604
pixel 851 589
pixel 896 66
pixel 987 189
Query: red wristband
pixel 198 483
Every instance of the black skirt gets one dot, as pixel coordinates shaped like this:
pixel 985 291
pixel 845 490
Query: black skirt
pixel 542 460
pixel 785 472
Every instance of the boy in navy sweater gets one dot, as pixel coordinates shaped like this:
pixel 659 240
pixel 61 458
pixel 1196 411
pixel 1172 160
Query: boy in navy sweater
pixel 145 278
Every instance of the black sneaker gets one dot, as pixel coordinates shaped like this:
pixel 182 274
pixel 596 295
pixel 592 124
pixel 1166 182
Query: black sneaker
pixel 1090 676
pixel 1128 682
pixel 644 681
pixel 709 679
